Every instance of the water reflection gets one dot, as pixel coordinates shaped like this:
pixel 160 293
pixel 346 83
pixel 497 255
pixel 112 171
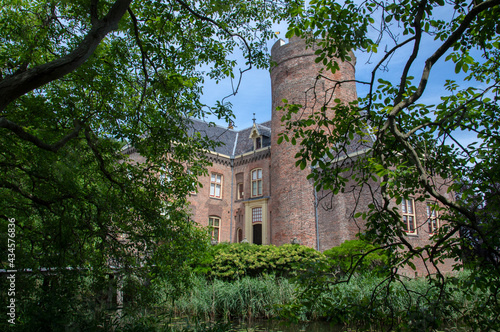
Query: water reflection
pixel 277 326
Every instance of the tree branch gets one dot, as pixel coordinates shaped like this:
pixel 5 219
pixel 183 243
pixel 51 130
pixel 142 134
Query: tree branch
pixel 100 159
pixel 232 34
pixel 33 198
pixel 452 39
pixel 416 48
pixel 144 54
pixel 17 85
pixel 374 71
pixel 21 133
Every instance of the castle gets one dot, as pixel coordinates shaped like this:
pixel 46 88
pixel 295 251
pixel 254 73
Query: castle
pixel 255 193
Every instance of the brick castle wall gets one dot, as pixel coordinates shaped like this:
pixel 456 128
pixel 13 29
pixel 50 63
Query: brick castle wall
pixel 295 78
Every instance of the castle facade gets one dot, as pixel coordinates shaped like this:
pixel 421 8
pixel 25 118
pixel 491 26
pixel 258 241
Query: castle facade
pixel 255 193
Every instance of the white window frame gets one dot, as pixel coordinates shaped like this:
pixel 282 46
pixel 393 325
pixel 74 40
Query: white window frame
pixel 408 215
pixel 257 183
pixel 257 215
pixel 216 181
pixel 240 194
pixel 212 221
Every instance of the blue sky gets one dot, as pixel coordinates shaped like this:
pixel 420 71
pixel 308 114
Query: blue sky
pixel 254 95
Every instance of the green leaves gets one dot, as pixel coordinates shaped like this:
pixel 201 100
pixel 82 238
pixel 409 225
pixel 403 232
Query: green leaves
pixel 128 102
pixel 233 261
pixel 356 256
pixel 415 131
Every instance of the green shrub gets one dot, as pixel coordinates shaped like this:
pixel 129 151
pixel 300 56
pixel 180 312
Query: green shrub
pixel 357 254
pixel 233 261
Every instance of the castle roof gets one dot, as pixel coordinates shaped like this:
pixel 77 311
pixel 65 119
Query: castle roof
pixel 238 142
pixel 234 142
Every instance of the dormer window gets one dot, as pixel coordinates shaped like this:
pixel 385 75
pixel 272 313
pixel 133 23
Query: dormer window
pixel 256 137
pixel 258 143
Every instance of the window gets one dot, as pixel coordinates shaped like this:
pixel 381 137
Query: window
pixel 258 143
pixel 214 224
pixel 256 215
pixel 408 208
pixel 257 182
pixel 432 219
pixel 215 185
pixel 194 184
pixel 239 190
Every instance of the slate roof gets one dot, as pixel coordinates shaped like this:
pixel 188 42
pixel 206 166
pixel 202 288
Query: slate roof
pixel 233 142
pixel 239 142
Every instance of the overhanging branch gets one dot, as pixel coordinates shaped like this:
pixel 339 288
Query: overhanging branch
pixel 19 84
pixel 21 133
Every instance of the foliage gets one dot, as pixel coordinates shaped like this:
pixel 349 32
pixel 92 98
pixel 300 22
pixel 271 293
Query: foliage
pixel 232 261
pixel 57 302
pixel 84 82
pixel 414 146
pixel 356 255
pixel 244 298
pixel 407 305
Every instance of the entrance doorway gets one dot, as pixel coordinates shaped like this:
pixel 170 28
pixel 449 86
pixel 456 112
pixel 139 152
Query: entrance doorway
pixel 257 233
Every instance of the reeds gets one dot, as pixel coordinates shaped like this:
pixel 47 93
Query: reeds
pixel 242 298
pixel 364 301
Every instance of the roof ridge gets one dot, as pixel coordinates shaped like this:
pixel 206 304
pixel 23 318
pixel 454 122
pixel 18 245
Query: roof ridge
pixel 214 124
pixel 258 124
pixel 225 128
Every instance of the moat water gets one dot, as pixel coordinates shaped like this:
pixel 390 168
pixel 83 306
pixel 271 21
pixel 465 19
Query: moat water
pixel 277 326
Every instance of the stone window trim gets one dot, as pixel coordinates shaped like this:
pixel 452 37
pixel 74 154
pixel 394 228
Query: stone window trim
pixel 240 194
pixel 214 222
pixel 258 143
pixel 432 218
pixel 256 179
pixel 216 181
pixel 409 216
pixel 257 138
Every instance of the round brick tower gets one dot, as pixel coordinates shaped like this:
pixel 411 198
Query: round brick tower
pixel 294 77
